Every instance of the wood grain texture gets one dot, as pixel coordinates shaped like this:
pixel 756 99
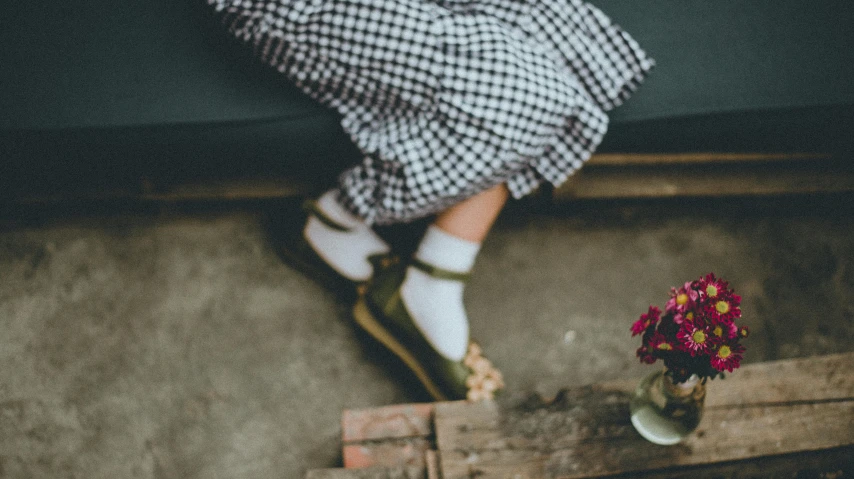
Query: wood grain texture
pixel 607 175
pixel 818 378
pixel 431 460
pixel 622 159
pixel 705 180
pixel 370 473
pixel 789 418
pixel 826 464
pixel 767 409
pixel 571 448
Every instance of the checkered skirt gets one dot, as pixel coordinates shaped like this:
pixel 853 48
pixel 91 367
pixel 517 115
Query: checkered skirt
pixel 447 98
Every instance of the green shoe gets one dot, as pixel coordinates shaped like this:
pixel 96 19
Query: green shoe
pixel 286 231
pixel 380 311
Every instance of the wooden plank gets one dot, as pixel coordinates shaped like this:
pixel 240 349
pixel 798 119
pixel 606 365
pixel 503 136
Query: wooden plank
pixel 832 463
pixel 561 444
pixel 657 182
pixel 607 175
pixel 819 378
pixel 828 464
pixel 624 159
pixel 431 460
pixel 370 473
pixel 772 409
pixel 783 382
pixel 230 190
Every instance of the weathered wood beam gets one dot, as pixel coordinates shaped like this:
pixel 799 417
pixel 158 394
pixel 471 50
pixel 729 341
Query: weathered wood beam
pixel 369 473
pixel 624 159
pixel 766 409
pixel 778 419
pixel 705 180
pixel 607 175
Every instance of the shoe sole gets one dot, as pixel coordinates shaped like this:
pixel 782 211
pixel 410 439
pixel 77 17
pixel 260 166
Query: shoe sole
pixel 368 322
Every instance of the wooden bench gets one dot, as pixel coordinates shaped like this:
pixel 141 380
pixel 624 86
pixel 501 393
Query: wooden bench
pixel 160 104
pixel 790 418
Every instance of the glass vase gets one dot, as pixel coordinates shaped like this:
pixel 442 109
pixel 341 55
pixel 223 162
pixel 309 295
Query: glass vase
pixel 664 412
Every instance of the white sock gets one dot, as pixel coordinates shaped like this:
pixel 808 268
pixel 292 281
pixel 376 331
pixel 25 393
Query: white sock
pixel 346 251
pixel 436 305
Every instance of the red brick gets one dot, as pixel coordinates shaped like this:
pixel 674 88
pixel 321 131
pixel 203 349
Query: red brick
pixel 388 422
pixel 397 453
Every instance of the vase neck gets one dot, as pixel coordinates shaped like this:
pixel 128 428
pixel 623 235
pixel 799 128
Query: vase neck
pixel 681 389
pixel 689 383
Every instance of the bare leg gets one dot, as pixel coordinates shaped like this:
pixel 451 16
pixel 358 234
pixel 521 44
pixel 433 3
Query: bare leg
pixel 472 218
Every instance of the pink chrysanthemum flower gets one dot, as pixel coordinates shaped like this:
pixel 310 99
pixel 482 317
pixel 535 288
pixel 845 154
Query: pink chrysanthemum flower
pixel 693 339
pixel 683 318
pixel 659 342
pixel 696 333
pixel 727 357
pixel 710 287
pixel 646 321
pixel 725 307
pixel 682 299
pixel 724 330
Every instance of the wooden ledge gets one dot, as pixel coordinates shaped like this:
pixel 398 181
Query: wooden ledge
pixel 606 176
pixel 767 419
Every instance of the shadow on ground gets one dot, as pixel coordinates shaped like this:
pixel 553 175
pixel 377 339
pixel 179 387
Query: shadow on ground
pixel 150 341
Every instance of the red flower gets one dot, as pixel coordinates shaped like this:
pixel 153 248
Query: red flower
pixel 659 342
pixel 727 357
pixel 724 330
pixel 723 307
pixel 681 318
pixel 682 299
pixel 710 287
pixel 696 334
pixel 693 339
pixel 646 321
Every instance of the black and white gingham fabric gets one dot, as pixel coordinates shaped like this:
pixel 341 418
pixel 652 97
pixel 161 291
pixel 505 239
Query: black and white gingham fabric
pixel 446 98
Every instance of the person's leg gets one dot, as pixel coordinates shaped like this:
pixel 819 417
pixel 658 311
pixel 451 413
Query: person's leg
pixel 472 219
pixel 451 243
pixel 347 244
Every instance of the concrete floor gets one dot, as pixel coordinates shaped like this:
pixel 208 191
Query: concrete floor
pixel 177 345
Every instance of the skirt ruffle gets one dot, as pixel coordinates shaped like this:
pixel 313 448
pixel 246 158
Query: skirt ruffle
pixel 448 98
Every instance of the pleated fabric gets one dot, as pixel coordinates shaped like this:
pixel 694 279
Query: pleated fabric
pixel 447 98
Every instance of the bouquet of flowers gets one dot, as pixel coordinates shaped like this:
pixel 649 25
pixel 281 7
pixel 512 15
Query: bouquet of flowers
pixel 697 333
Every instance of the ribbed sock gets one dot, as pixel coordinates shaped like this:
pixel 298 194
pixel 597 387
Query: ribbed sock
pixel 346 251
pixel 436 304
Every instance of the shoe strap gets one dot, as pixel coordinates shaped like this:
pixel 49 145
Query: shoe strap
pixel 311 207
pixel 439 273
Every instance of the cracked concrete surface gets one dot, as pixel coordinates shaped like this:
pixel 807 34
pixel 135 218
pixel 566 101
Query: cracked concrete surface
pixel 177 344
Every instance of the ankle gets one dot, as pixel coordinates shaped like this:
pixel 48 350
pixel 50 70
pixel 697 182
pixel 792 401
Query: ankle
pixel 436 306
pixel 443 250
pixel 434 297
